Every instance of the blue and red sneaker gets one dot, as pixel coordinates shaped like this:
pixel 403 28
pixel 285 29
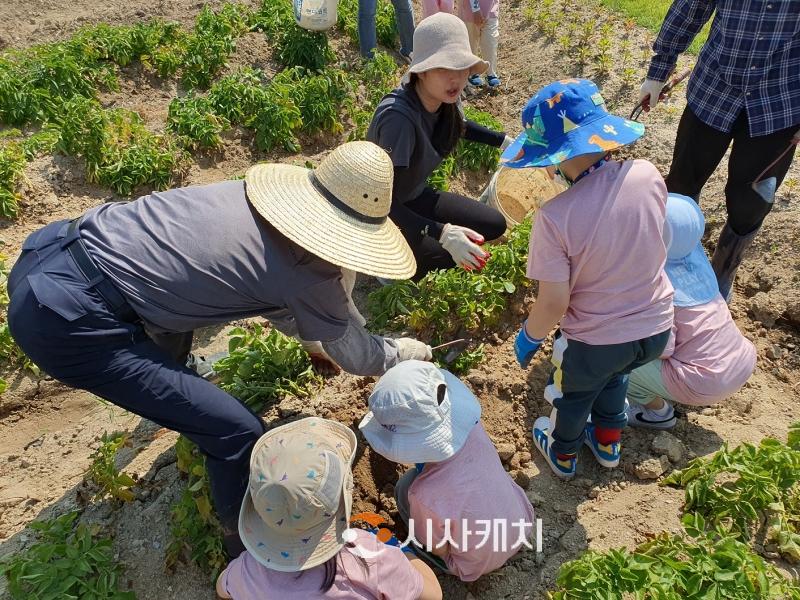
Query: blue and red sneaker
pixel 564 468
pixel 606 454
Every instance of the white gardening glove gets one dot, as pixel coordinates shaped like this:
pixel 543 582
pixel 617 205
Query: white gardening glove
pixel 462 244
pixel 411 349
pixel 650 90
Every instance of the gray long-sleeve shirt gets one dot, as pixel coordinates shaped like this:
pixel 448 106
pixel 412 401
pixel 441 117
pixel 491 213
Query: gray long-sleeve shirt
pixel 198 256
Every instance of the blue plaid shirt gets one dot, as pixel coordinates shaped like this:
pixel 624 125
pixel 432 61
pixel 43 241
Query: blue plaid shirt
pixel 751 61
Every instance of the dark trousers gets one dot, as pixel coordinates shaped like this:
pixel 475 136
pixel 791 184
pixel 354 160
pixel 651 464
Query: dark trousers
pixel 699 149
pixel 446 207
pixel 593 380
pixel 67 329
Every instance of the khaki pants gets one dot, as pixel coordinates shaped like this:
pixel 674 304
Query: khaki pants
pixel 486 39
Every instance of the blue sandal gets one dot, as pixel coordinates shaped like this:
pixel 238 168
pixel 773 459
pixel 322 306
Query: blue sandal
pixel 476 80
pixel 493 81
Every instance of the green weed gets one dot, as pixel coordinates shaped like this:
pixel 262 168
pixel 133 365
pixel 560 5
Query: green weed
pixel 196 533
pixel 672 567
pixel 441 176
pixel 192 118
pixel 472 155
pixel 66 562
pixel 454 301
pixel 12 173
pixel 120 152
pixel 319 96
pixel 738 490
pixel 263 367
pixel 298 47
pixel 103 471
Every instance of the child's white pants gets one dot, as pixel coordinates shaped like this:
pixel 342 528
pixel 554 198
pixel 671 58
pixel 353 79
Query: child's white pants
pixel 486 39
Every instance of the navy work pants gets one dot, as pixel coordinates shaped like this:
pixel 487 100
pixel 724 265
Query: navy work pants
pixel 66 327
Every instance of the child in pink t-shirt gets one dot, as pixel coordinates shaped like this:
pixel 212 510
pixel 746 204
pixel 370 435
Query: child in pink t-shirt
pixel 707 358
pixel 482 18
pixel 431 7
pixel 597 251
pixel 465 513
pixel 295 521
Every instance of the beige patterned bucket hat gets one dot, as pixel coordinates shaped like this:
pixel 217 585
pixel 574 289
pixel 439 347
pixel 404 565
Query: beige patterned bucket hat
pixel 300 495
pixel 338 211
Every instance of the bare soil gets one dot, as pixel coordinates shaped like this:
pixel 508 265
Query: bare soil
pixel 48 431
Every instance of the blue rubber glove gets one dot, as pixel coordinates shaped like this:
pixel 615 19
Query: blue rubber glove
pixel 525 347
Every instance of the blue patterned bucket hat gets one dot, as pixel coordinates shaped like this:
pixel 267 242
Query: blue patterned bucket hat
pixel 687 266
pixel 566 119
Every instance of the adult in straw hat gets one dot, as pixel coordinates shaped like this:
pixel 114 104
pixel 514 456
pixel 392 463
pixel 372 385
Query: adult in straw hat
pixel 419 125
pixel 295 524
pixel 108 302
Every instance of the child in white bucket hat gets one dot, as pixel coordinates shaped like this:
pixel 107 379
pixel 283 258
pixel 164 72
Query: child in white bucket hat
pixel 294 523
pixel 425 416
pixel 707 358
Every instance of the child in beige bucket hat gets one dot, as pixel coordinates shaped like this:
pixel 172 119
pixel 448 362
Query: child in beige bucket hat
pixel 295 522
pixel 425 416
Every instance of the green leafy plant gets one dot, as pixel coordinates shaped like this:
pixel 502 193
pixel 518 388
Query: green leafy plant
pixel 275 15
pixel 747 489
pixel 675 567
pixel 12 173
pixel 298 47
pixel 214 39
pixel 441 176
pixel 66 562
pixel 454 301
pixel 103 471
pixel 196 533
pixel 268 109
pixel 192 118
pixel 385 26
pixel 319 96
pixel 604 47
pixel 263 367
pixel 377 77
pixel 120 152
pixel 472 155
pixel 466 360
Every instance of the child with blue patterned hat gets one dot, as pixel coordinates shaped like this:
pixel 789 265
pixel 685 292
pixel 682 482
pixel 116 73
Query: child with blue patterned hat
pixel 295 525
pixel 597 251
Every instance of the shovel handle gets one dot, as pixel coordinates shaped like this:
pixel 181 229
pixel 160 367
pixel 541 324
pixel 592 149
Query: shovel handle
pixel 458 341
pixel 637 110
pixel 791 145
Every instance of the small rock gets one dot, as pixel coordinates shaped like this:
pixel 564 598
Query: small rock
pixel 506 450
pixel 12 457
pixel 524 458
pixel 775 352
pixel 615 487
pixel 666 443
pixel 24 463
pixel 708 412
pixel 522 479
pixel 479 379
pixel 651 468
pixel 595 492
pixel 536 499
pixel 765 309
pixel 517 388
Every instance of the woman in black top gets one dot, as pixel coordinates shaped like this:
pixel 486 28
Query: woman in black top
pixel 419 124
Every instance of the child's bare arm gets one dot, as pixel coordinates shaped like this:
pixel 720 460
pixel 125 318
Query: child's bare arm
pixel 221 591
pixel 551 304
pixel 431 590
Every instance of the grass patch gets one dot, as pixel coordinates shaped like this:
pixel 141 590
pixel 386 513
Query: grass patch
pixel 650 14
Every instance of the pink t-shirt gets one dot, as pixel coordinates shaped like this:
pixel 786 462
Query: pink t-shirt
pixel 603 236
pixel 388 576
pixel 707 358
pixel 489 9
pixel 471 488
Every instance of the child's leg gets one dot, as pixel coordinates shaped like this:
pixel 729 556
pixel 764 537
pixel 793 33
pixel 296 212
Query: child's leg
pixel 474 36
pixel 490 35
pixel 649 398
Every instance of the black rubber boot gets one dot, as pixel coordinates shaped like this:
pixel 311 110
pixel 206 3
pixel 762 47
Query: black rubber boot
pixel 728 256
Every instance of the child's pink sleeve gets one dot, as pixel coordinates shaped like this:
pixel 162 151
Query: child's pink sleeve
pixel 397 579
pixel 547 252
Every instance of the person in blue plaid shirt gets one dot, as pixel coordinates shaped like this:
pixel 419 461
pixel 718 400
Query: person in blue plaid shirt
pixel 744 89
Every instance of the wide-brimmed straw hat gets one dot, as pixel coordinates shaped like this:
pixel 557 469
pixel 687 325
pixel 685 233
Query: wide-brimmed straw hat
pixel 300 495
pixel 687 266
pixel 411 421
pixel 441 41
pixel 338 211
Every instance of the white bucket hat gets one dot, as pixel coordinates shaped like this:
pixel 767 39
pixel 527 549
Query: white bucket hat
pixel 338 211
pixel 407 423
pixel 300 495
pixel 441 41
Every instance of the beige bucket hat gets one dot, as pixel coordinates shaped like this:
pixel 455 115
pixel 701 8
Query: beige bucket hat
pixel 300 495
pixel 441 41
pixel 339 211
